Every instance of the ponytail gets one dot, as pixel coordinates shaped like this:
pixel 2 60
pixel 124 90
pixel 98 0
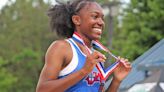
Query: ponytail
pixel 61 16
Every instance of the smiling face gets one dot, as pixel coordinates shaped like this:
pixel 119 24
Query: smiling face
pixel 91 21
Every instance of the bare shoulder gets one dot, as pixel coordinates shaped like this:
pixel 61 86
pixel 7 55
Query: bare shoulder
pixel 57 54
pixel 59 44
pixel 54 59
pixel 59 47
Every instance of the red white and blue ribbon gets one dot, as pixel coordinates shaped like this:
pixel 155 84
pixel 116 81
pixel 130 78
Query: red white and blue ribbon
pixel 104 72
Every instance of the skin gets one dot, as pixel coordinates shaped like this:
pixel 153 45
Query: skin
pixel 119 74
pixel 88 18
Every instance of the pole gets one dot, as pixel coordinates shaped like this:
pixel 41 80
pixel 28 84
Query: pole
pixel 110 31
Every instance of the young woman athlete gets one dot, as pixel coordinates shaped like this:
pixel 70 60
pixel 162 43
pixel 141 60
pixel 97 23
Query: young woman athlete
pixel 70 64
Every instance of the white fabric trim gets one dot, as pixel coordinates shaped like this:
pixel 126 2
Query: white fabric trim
pixel 72 65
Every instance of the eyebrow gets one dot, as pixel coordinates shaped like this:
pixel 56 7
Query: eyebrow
pixel 94 11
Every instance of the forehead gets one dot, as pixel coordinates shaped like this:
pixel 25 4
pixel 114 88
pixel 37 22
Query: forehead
pixel 92 7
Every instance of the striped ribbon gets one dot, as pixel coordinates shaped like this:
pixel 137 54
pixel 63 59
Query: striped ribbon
pixel 104 72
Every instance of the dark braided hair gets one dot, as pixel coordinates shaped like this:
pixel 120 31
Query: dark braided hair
pixel 61 16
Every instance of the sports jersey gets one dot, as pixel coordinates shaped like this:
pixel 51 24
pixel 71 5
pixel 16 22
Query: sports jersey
pixel 91 82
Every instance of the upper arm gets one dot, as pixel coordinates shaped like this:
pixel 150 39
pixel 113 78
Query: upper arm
pixel 54 60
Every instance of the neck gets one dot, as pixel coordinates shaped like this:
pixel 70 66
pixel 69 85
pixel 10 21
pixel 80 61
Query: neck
pixel 86 40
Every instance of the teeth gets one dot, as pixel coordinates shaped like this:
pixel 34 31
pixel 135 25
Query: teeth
pixel 97 29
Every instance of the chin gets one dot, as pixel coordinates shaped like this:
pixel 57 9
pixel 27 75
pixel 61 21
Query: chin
pixel 97 38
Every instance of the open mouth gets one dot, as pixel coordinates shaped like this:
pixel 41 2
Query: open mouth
pixel 98 30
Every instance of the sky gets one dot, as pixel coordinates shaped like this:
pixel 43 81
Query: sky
pixel 3 2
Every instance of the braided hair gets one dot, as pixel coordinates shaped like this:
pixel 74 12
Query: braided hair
pixel 61 16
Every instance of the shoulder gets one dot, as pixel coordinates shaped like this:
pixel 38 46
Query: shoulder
pixel 58 46
pixel 58 49
pixel 57 54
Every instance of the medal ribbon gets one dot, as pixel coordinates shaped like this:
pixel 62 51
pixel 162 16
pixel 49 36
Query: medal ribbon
pixel 103 72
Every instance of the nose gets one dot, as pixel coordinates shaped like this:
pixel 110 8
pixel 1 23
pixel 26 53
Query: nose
pixel 101 22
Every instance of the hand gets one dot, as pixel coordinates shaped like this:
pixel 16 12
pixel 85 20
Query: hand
pixel 122 69
pixel 92 60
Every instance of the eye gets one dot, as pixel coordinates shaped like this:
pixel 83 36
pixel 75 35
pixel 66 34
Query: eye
pixel 94 16
pixel 102 18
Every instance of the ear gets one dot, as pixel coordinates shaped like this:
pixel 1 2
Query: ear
pixel 76 20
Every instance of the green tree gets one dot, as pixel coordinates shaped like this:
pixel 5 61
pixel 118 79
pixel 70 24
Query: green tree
pixel 26 67
pixel 6 77
pixel 142 27
pixel 24 38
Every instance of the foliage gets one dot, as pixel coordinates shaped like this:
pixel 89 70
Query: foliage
pixel 26 67
pixel 142 27
pixel 7 78
pixel 24 38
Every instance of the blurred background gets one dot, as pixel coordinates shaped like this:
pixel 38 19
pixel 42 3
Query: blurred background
pixel 134 30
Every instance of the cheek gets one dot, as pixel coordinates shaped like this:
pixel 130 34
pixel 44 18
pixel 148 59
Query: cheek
pixel 91 23
pixel 89 20
pixel 88 23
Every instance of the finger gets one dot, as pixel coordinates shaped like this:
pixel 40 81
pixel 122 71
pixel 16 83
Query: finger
pixel 128 68
pixel 96 61
pixel 100 60
pixel 127 64
pixel 119 57
pixel 97 55
pixel 123 60
pixel 126 60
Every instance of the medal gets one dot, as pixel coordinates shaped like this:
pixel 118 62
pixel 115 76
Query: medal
pixel 104 72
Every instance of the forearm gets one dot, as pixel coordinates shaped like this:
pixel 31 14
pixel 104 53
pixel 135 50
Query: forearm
pixel 114 86
pixel 60 85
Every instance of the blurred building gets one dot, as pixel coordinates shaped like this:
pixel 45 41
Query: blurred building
pixel 147 74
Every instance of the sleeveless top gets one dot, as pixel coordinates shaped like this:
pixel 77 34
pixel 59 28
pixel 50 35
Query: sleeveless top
pixel 91 82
